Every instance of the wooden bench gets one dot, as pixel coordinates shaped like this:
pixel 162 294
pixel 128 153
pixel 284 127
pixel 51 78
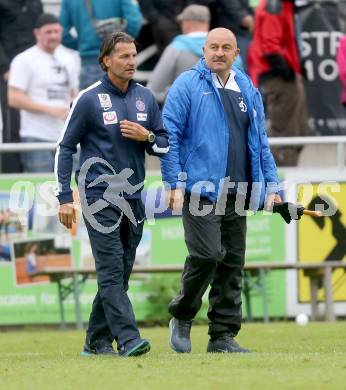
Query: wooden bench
pixel 318 274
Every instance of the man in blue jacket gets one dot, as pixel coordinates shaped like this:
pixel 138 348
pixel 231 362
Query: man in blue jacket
pixel 219 156
pixel 115 121
pixel 80 19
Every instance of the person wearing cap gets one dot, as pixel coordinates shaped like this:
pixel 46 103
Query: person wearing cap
pixel 184 52
pixel 43 79
pixel 218 166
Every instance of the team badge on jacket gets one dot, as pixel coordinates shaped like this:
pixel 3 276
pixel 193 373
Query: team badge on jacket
pixel 242 105
pixel 140 104
pixel 105 100
pixel 110 118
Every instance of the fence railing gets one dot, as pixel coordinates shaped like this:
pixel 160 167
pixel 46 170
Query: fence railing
pixel 339 141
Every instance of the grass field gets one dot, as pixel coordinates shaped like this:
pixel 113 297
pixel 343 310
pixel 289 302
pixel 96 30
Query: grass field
pixel 286 356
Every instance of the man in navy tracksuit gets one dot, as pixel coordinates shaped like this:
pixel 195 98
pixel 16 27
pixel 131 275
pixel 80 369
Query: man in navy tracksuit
pixel 115 121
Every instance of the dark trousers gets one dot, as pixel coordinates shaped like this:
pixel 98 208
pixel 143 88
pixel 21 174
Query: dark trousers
pixel 216 246
pixel 287 112
pixel 112 316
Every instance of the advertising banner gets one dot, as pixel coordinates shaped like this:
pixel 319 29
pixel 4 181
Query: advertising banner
pixel 322 26
pixel 32 237
pixel 323 239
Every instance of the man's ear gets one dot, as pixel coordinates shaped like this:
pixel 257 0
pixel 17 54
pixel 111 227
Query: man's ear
pixel 106 61
pixel 36 32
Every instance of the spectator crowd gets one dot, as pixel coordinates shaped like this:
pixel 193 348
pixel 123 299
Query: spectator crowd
pixel 40 75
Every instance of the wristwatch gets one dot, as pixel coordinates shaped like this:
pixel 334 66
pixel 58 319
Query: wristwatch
pixel 151 137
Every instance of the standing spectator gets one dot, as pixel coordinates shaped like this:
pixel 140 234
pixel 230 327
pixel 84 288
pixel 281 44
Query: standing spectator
pixel 183 52
pixel 274 65
pixel 162 17
pixel 214 118
pixel 237 16
pixel 42 82
pixel 341 61
pixel 17 21
pixel 82 21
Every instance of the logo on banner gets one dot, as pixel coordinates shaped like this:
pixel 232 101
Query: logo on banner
pixel 105 100
pixel 322 239
pixel 110 118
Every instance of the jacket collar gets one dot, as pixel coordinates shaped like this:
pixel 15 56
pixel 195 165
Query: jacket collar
pixel 112 88
pixel 241 78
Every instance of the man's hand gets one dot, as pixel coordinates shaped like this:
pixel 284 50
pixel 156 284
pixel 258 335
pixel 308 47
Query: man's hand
pixel 270 200
pixel 58 112
pixel 133 131
pixel 174 199
pixel 248 22
pixel 67 214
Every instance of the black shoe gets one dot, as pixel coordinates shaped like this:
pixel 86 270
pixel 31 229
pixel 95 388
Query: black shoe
pixel 179 338
pixel 135 347
pixel 105 350
pixel 225 344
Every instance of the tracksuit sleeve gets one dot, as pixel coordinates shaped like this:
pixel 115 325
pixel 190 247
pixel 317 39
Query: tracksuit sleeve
pixel 74 129
pixel 161 144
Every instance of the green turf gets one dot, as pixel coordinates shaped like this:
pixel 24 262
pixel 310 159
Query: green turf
pixel 287 356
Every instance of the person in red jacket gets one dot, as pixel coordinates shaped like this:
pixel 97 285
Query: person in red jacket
pixel 274 66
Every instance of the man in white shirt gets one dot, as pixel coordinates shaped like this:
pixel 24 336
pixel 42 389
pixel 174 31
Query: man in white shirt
pixel 43 79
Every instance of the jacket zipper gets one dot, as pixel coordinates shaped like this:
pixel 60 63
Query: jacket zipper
pixel 225 135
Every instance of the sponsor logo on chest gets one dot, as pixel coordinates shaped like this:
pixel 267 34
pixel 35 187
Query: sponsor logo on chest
pixel 142 116
pixel 110 117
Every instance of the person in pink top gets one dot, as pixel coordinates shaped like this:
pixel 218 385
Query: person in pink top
pixel 341 61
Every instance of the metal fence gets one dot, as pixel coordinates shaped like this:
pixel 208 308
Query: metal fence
pixel 339 141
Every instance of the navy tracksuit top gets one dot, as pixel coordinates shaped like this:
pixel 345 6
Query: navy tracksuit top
pixel 93 122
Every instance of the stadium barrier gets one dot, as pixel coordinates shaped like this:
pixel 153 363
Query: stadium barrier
pixel 338 140
pixel 318 274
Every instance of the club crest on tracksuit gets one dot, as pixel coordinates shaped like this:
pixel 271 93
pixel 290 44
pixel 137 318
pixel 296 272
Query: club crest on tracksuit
pixel 105 100
pixel 140 104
